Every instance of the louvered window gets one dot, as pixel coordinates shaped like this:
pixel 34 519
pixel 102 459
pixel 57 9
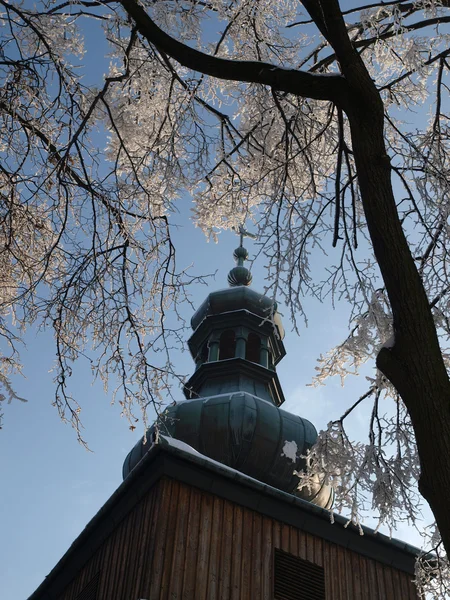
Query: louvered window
pixel 89 592
pixel 297 579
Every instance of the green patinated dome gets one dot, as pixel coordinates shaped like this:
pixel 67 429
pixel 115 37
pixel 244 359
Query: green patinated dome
pixel 239 276
pixel 245 433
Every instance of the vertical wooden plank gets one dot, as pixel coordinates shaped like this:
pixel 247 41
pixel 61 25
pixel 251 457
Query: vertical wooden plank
pixel 107 552
pixel 379 573
pixel 158 512
pixel 328 566
pixel 143 559
pixel 160 540
pixel 246 559
pixel 268 543
pixel 201 580
pixel 342 582
pixel 214 551
pixel 349 566
pixel 169 541
pixel 356 565
pixel 407 586
pixel 127 534
pixel 104 560
pixel 372 579
pixel 411 587
pixel 302 545
pixel 404 588
pixel 256 566
pixel 193 530
pixel 179 548
pixel 132 542
pixel 236 555
pixel 318 551
pixel 285 534
pixel 396 583
pixel 334 570
pixel 388 582
pixel 113 567
pixel 309 547
pixel 293 540
pixel 276 533
pixel 366 592
pixel 226 551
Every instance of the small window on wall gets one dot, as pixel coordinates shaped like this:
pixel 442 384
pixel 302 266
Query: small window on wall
pixel 297 579
pixel 227 345
pixel 253 348
pixel 89 592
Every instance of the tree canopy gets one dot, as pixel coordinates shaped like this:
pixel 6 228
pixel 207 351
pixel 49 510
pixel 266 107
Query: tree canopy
pixel 325 125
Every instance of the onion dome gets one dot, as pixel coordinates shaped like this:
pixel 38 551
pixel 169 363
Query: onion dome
pixel 245 433
pixel 240 275
pixel 232 409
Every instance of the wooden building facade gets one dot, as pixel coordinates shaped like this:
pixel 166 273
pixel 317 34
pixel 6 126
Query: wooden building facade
pixel 183 527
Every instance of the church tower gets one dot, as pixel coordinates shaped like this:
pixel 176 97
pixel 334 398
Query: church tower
pixel 232 413
pixel 209 506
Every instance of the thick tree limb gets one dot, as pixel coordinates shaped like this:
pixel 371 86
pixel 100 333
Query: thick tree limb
pixel 319 87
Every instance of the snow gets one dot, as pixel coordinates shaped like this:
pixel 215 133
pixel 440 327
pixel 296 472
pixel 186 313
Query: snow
pixel 290 450
pixel 213 397
pixel 170 441
pixel 389 343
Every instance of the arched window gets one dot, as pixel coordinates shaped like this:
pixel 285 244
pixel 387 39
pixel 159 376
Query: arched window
pixel 227 345
pixel 253 348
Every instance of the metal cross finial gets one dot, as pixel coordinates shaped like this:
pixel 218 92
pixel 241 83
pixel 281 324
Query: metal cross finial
pixel 244 233
pixel 240 275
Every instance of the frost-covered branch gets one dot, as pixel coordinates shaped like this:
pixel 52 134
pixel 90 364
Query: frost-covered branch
pixel 300 130
pixel 319 87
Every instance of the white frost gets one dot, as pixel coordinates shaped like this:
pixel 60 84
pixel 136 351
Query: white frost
pixel 290 450
pixel 389 343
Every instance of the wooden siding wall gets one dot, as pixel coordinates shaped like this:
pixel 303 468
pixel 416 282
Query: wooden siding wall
pixel 181 543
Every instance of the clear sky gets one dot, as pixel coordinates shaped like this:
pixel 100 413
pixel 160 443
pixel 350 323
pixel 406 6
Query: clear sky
pixel 51 486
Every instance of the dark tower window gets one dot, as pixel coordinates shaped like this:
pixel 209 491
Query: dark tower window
pixel 253 348
pixel 204 354
pixel 297 579
pixel 271 365
pixel 227 345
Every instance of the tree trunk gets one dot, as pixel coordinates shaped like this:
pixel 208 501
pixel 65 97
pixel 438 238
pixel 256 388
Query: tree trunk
pixel 414 364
